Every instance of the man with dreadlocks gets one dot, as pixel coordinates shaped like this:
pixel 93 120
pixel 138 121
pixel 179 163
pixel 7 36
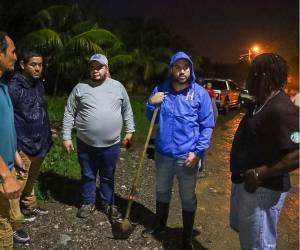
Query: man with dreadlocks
pixel 265 149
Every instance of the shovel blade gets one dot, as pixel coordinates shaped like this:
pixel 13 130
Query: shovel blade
pixel 122 229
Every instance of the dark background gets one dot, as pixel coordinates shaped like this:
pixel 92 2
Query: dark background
pixel 218 29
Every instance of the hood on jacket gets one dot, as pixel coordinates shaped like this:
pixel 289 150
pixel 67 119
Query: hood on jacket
pixel 181 55
pixel 20 79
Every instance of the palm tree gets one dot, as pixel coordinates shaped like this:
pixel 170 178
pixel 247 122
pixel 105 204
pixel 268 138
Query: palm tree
pixel 67 45
pixel 152 45
pixel 138 69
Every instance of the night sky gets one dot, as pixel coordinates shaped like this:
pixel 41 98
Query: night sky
pixel 224 29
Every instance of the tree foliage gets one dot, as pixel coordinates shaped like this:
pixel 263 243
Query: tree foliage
pixel 67 45
pixel 138 49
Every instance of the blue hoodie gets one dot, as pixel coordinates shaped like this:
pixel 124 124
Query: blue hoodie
pixel 185 117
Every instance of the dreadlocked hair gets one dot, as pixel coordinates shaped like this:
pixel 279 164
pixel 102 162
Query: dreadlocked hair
pixel 268 73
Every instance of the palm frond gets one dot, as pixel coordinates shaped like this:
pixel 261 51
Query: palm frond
pixel 43 39
pixel 83 27
pixel 58 17
pixel 99 36
pixel 83 45
pixel 120 60
pixel 53 17
pixel 115 49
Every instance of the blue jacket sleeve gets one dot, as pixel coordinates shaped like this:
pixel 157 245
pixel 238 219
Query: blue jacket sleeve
pixel 206 125
pixel 150 107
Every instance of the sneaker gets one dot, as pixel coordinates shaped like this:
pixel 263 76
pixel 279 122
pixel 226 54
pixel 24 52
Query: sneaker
pixel 40 211
pixel 21 237
pixel 111 211
pixel 85 210
pixel 29 218
pixel 34 211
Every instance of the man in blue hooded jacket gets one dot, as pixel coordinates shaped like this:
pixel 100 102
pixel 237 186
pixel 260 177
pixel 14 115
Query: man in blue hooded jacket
pixel 186 121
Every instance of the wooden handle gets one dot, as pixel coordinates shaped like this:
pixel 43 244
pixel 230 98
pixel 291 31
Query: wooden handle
pixel 133 190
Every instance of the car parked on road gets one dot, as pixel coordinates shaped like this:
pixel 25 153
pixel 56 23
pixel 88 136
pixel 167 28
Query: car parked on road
pixel 245 97
pixel 227 93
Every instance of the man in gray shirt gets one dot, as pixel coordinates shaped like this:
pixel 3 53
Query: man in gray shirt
pixel 97 109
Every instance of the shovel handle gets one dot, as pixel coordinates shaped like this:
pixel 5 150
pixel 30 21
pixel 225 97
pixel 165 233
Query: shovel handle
pixel 140 167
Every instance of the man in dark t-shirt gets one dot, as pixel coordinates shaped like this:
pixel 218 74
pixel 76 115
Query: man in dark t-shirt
pixel 264 150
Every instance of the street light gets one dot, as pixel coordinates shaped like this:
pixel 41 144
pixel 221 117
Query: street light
pixel 254 50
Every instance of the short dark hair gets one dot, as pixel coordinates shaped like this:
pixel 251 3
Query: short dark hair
pixel 268 73
pixel 3 41
pixel 28 53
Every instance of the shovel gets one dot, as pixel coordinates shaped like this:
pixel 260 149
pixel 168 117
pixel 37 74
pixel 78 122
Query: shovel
pixel 122 228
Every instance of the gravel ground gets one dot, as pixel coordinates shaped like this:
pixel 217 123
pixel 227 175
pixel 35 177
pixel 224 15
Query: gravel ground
pixel 61 229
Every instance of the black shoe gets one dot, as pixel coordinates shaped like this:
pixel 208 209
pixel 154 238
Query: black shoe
pixel 187 236
pixel 20 237
pixel 157 231
pixel 187 245
pixel 161 217
pixel 111 211
pixel 85 210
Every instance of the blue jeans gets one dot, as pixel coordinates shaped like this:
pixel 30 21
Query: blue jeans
pixel 97 161
pixel 166 169
pixel 255 216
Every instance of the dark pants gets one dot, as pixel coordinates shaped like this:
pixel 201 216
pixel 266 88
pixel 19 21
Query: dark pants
pixel 94 161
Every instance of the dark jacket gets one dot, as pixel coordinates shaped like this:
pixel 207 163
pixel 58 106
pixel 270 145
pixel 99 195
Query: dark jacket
pixel 31 115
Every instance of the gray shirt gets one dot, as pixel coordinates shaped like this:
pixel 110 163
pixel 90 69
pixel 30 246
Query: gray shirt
pixel 98 112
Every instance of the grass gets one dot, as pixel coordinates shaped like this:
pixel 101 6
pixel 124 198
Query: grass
pixel 138 104
pixel 59 163
pixel 56 107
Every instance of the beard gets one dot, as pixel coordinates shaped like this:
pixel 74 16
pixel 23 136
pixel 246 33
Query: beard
pixel 99 78
pixel 181 79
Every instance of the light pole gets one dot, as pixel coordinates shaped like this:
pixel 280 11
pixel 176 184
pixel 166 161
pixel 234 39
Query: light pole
pixel 252 52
